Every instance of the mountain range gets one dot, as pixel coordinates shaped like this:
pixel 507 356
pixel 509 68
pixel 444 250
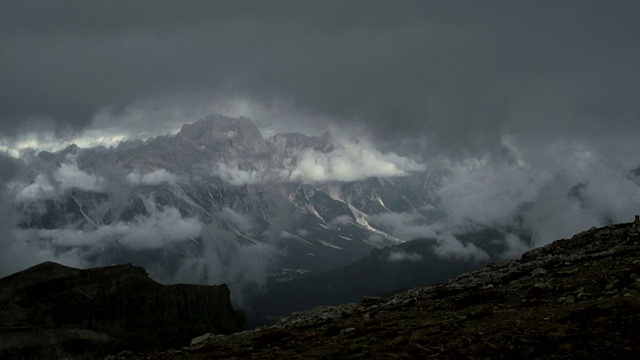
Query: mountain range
pixel 289 221
pixel 217 192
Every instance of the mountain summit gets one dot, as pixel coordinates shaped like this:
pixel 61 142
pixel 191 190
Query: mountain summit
pixel 221 132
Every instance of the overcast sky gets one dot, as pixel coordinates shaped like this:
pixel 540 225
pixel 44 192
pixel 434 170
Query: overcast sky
pixel 461 72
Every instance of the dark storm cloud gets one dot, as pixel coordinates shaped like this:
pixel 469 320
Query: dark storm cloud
pixel 461 70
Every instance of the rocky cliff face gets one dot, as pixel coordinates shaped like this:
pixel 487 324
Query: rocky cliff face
pixel 53 311
pixel 573 299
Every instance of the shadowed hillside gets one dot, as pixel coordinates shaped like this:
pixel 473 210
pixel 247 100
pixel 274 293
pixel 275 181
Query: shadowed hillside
pixel 573 299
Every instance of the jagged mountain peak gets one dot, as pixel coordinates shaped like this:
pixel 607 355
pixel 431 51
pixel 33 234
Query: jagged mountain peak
pixel 59 155
pixel 220 130
pixel 129 144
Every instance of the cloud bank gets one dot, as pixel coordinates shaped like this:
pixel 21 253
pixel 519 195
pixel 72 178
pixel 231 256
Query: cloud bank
pixel 154 178
pixel 159 230
pixel 47 184
pixel 555 190
pixel 69 176
pixel 404 256
pixel 350 161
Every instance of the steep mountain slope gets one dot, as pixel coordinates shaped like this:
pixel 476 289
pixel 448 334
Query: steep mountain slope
pixel 573 299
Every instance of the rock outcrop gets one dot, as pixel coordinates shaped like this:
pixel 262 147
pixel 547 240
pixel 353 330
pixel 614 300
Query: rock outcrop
pixel 54 311
pixel 573 299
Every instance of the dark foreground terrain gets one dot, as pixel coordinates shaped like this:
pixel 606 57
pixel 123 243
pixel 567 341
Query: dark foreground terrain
pixel 52 311
pixel 573 299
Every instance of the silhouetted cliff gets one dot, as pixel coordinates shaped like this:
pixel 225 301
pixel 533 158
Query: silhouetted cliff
pixel 53 311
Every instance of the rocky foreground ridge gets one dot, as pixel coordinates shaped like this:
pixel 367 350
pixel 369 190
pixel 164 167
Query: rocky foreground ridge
pixel 51 311
pixel 573 299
